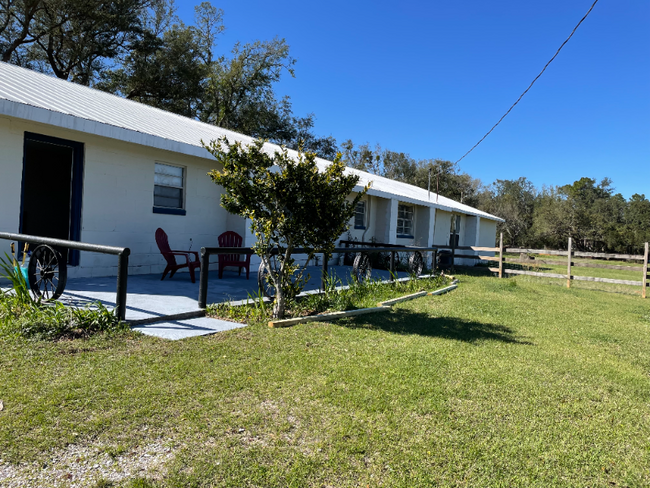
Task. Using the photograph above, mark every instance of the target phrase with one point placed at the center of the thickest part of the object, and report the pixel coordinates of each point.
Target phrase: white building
(80, 164)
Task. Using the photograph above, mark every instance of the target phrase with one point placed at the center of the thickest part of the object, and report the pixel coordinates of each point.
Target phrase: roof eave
(72, 122)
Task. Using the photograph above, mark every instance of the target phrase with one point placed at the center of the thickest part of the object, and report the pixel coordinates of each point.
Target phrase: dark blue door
(52, 189)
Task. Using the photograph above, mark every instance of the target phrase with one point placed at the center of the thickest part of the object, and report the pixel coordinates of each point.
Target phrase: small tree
(290, 203)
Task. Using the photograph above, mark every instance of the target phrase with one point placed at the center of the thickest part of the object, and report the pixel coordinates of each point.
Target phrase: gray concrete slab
(182, 329)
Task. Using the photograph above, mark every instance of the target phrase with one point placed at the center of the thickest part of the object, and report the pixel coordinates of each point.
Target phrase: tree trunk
(279, 304)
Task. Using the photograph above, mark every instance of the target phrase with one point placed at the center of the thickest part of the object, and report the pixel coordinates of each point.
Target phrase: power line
(532, 83)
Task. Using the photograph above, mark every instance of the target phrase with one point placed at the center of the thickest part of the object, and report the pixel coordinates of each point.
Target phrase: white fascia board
(72, 122)
(415, 201)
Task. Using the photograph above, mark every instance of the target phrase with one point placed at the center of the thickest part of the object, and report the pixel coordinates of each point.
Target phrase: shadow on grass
(408, 322)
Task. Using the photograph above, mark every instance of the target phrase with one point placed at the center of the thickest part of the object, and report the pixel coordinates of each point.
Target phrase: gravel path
(84, 466)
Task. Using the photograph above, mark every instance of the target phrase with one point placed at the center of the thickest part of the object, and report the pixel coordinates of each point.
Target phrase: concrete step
(183, 329)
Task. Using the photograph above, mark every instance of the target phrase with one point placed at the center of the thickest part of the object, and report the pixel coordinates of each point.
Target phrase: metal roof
(34, 96)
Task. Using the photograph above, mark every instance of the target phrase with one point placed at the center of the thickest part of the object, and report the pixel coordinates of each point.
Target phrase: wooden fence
(569, 262)
(503, 262)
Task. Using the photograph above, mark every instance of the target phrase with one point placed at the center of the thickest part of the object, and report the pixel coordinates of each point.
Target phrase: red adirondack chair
(170, 257)
(232, 239)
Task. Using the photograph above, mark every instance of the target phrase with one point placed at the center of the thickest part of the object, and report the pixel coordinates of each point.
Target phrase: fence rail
(570, 263)
(578, 254)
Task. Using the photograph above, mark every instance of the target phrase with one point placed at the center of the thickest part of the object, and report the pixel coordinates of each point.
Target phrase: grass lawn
(499, 383)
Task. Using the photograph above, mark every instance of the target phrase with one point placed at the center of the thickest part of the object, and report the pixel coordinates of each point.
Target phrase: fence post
(392, 266)
(645, 270)
(434, 263)
(501, 255)
(122, 278)
(568, 266)
(203, 278)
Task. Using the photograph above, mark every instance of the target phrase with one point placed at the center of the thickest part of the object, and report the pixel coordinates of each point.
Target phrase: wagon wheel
(47, 273)
(361, 269)
(416, 263)
(263, 281)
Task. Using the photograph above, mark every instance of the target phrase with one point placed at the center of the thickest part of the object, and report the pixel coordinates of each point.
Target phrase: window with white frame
(168, 186)
(404, 221)
(360, 215)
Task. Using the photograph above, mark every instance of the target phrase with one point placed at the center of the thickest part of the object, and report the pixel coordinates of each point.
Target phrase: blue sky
(431, 78)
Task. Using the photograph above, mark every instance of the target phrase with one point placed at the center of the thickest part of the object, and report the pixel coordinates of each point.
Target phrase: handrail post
(645, 271)
(122, 279)
(323, 280)
(392, 266)
(453, 249)
(568, 266)
(501, 255)
(203, 278)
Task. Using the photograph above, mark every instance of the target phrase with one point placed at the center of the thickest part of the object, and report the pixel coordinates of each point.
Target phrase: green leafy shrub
(291, 204)
(23, 316)
(11, 271)
(49, 321)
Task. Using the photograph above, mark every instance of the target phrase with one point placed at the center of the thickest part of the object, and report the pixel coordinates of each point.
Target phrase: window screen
(168, 186)
(404, 220)
(360, 216)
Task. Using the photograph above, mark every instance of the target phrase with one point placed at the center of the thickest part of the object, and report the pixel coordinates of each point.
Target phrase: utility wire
(532, 83)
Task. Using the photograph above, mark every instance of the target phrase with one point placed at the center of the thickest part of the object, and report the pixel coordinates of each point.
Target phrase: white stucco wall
(370, 221)
(11, 174)
(442, 227)
(117, 207)
(421, 226)
(380, 218)
(469, 239)
(488, 233)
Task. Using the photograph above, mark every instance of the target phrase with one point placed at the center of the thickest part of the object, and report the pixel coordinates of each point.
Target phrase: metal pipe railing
(121, 252)
(206, 252)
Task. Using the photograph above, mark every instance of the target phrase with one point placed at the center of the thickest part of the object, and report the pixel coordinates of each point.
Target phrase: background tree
(363, 158)
(636, 227)
(514, 201)
(290, 204)
(445, 175)
(551, 220)
(73, 39)
(590, 212)
(164, 70)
